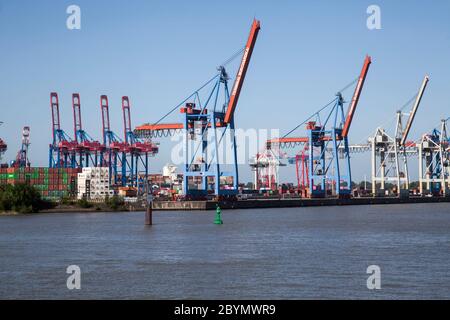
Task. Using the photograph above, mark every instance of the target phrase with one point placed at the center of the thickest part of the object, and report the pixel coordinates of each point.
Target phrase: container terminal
(81, 167)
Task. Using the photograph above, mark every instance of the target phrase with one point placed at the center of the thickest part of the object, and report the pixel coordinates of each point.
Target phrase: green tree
(21, 198)
(115, 202)
(83, 203)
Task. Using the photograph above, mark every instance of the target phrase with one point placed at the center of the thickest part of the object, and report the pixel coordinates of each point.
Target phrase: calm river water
(310, 253)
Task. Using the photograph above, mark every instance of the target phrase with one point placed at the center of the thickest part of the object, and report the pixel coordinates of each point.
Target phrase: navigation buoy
(218, 219)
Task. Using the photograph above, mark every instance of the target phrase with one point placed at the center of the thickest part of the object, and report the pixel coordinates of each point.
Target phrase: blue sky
(157, 52)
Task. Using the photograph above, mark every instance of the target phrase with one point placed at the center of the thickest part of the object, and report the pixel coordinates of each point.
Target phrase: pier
(288, 203)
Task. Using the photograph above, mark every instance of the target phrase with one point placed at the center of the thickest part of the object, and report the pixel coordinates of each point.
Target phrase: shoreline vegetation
(23, 199)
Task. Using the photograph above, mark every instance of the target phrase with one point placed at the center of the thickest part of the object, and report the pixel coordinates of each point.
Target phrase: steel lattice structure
(22, 160)
(208, 121)
(62, 149)
(434, 162)
(328, 156)
(390, 153)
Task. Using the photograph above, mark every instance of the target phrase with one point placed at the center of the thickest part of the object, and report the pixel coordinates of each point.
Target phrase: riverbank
(77, 209)
(10, 214)
(94, 208)
(234, 205)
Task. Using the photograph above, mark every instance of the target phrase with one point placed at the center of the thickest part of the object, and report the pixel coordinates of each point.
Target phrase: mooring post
(149, 211)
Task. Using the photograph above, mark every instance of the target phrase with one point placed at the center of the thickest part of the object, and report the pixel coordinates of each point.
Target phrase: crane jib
(414, 110)
(241, 71)
(240, 76)
(356, 96)
(352, 107)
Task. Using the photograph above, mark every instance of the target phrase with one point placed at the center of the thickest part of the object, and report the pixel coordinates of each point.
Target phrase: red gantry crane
(62, 148)
(115, 149)
(138, 150)
(87, 150)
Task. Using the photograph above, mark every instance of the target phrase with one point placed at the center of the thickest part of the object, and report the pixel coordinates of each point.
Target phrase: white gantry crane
(266, 169)
(22, 160)
(434, 161)
(389, 153)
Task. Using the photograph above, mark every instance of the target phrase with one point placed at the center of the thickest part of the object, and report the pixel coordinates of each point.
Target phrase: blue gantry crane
(326, 142)
(208, 122)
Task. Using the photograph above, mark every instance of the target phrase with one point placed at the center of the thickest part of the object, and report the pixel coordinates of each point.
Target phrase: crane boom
(76, 104)
(127, 119)
(288, 140)
(356, 95)
(242, 71)
(414, 110)
(54, 105)
(105, 116)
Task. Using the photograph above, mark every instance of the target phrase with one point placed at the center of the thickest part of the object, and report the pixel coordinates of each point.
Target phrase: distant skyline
(158, 52)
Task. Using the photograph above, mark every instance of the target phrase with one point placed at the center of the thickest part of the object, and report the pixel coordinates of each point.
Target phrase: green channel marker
(218, 219)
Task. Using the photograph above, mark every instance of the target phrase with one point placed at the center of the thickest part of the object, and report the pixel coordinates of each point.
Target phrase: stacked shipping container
(52, 183)
(160, 180)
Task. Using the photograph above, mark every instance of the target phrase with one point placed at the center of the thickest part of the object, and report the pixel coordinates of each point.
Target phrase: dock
(288, 203)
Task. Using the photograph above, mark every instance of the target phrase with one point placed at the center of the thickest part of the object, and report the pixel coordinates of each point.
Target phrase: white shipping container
(98, 183)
